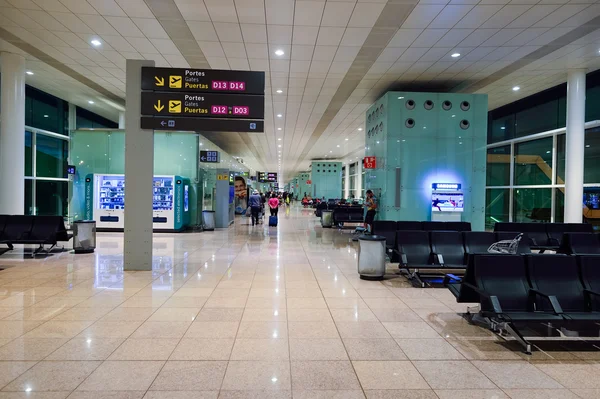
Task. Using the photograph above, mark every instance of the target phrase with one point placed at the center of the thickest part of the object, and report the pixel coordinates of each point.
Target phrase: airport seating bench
(38, 230)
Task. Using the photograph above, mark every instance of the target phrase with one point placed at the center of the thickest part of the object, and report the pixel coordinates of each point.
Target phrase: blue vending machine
(105, 202)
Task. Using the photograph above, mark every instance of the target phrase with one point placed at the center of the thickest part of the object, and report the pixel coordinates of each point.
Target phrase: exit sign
(370, 162)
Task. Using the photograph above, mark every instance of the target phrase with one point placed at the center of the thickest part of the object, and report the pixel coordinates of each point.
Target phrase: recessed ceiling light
(29, 73)
(279, 91)
(279, 139)
(502, 128)
(516, 88)
(279, 115)
(347, 139)
(96, 42)
(587, 146)
(45, 116)
(360, 129)
(278, 128)
(455, 55)
(279, 145)
(90, 102)
(330, 152)
(279, 52)
(338, 146)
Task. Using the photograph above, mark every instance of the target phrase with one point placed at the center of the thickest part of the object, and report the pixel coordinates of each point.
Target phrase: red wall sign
(370, 162)
(309, 182)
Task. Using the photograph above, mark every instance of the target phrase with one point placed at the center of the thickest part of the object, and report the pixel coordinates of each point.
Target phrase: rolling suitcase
(272, 221)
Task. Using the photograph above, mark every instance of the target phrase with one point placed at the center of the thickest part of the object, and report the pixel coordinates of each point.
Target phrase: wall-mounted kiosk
(447, 202)
(105, 202)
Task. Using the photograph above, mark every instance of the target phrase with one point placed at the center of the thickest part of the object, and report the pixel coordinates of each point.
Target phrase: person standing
(255, 203)
(371, 204)
(274, 205)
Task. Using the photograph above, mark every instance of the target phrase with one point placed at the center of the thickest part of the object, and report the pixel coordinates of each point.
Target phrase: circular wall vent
(465, 106)
(447, 105)
(410, 123)
(410, 104)
(464, 124)
(428, 105)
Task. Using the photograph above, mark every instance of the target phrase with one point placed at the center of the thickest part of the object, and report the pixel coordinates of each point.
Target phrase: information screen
(447, 202)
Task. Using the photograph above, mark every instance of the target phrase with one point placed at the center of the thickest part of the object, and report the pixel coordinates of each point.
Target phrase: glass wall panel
(559, 205)
(498, 166)
(28, 154)
(591, 202)
(591, 171)
(28, 197)
(51, 197)
(533, 162)
(532, 204)
(561, 152)
(501, 129)
(44, 111)
(51, 156)
(537, 119)
(497, 206)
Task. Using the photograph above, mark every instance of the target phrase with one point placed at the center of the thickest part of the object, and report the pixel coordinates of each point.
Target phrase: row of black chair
(545, 236)
(580, 244)
(348, 214)
(539, 288)
(380, 226)
(38, 230)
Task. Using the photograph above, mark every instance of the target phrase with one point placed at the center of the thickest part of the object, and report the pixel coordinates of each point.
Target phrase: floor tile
(185, 302)
(328, 394)
(111, 329)
(410, 329)
(30, 348)
(309, 315)
(17, 328)
(396, 315)
(128, 314)
(263, 329)
(34, 395)
(331, 375)
(174, 314)
(59, 329)
(453, 375)
(373, 349)
(42, 314)
(573, 375)
(203, 349)
(122, 376)
(401, 394)
(541, 394)
(257, 375)
(317, 349)
(362, 329)
(216, 314)
(107, 395)
(190, 375)
(260, 349)
(162, 329)
(11, 370)
(53, 376)
(213, 329)
(306, 303)
(429, 349)
(181, 395)
(388, 375)
(312, 329)
(145, 349)
(513, 374)
(262, 394)
(265, 315)
(86, 349)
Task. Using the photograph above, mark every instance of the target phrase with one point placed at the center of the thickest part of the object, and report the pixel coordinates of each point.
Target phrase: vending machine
(105, 202)
(447, 202)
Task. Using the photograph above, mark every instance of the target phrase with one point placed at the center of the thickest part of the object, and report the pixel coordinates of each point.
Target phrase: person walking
(255, 203)
(274, 205)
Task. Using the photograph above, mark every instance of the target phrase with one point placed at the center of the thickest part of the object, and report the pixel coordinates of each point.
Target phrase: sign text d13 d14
(209, 156)
(203, 80)
(370, 162)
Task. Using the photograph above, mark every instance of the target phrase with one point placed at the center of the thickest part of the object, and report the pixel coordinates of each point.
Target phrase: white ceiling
(502, 43)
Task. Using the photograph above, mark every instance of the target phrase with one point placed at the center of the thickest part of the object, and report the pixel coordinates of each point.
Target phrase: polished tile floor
(254, 312)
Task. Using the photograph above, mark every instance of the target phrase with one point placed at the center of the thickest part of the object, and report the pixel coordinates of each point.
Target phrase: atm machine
(447, 202)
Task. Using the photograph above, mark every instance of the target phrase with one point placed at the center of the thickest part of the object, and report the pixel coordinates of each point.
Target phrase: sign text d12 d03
(203, 80)
(370, 162)
(209, 156)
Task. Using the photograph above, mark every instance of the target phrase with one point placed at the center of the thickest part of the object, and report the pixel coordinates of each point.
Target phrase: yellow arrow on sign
(159, 107)
(159, 81)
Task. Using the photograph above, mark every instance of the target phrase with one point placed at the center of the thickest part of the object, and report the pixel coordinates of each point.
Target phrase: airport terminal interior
(345, 199)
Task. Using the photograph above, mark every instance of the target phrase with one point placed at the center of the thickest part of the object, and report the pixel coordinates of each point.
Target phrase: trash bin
(84, 236)
(371, 257)
(326, 218)
(208, 220)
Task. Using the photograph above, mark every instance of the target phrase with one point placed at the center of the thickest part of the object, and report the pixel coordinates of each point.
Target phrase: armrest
(553, 300)
(588, 294)
(492, 298)
(448, 277)
(553, 242)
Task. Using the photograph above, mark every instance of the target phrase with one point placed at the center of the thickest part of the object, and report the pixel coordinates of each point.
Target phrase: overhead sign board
(203, 105)
(203, 80)
(203, 124)
(209, 156)
(266, 177)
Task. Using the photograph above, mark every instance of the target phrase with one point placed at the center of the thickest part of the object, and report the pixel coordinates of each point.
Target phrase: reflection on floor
(254, 312)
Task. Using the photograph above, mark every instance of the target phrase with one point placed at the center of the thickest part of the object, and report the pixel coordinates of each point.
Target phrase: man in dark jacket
(255, 204)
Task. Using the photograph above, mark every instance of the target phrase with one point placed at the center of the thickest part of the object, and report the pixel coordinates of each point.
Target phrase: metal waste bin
(84, 236)
(371, 257)
(326, 218)
(208, 220)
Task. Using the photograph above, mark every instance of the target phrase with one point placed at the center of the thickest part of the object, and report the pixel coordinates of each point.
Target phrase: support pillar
(121, 120)
(359, 187)
(575, 146)
(222, 199)
(12, 134)
(139, 170)
(347, 182)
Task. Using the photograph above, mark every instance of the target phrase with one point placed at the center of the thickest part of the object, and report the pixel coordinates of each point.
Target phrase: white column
(575, 146)
(139, 171)
(121, 120)
(359, 187)
(347, 182)
(12, 134)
